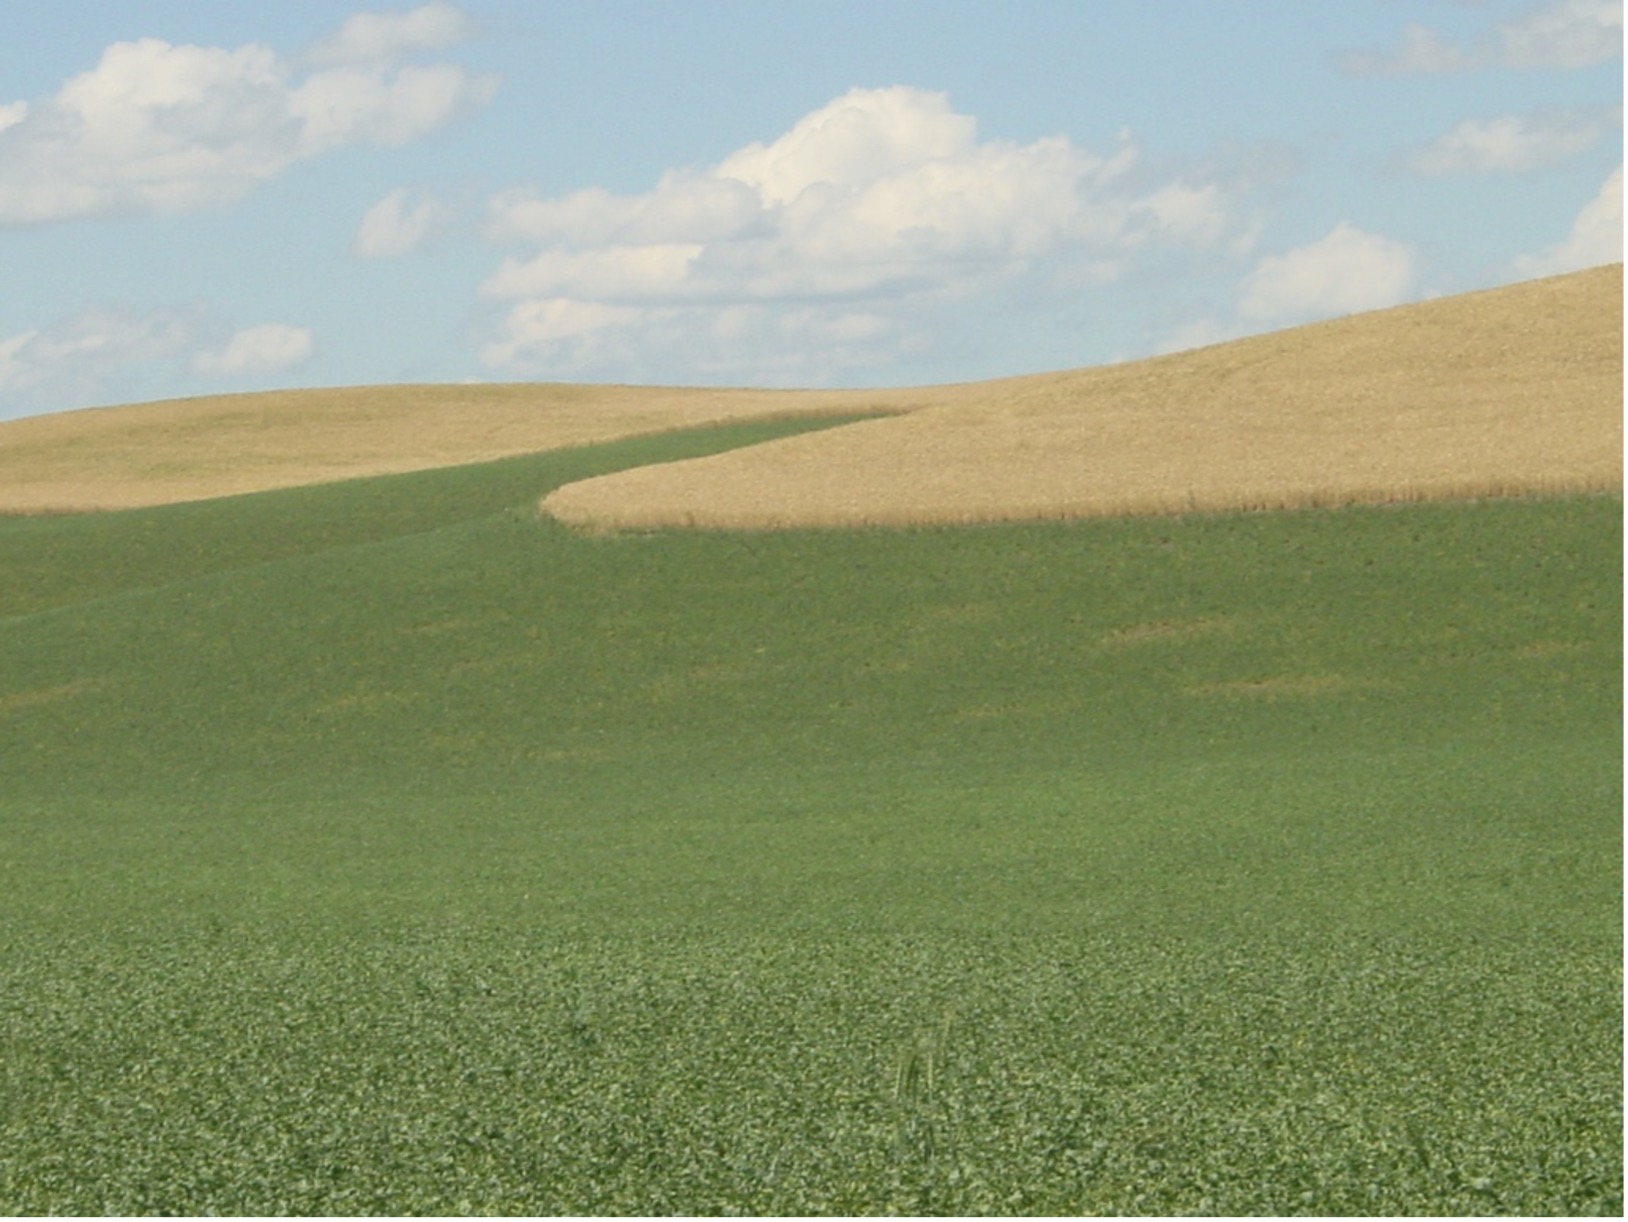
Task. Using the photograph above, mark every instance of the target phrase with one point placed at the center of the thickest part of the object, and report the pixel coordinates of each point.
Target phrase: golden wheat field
(192, 449)
(1510, 391)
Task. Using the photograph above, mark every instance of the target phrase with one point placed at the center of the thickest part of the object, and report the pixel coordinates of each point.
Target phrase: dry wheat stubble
(1505, 392)
(1511, 391)
(193, 449)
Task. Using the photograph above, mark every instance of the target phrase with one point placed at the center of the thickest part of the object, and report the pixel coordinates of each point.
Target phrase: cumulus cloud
(158, 127)
(1512, 144)
(398, 225)
(878, 187)
(1562, 34)
(881, 202)
(1345, 272)
(268, 348)
(1595, 237)
(855, 141)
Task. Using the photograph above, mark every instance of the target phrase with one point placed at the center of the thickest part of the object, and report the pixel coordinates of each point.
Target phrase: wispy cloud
(1513, 144)
(1562, 34)
(399, 224)
(158, 127)
(373, 38)
(74, 356)
(107, 353)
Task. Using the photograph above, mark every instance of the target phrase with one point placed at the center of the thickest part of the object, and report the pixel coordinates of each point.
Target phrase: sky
(207, 196)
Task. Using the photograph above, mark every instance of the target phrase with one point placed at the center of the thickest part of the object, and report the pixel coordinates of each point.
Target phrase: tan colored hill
(1510, 391)
(191, 449)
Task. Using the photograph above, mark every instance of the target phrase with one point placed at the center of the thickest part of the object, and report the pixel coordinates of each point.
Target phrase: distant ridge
(192, 449)
(1509, 391)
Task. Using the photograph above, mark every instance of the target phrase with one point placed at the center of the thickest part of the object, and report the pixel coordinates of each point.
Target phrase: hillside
(1508, 391)
(181, 450)
(380, 848)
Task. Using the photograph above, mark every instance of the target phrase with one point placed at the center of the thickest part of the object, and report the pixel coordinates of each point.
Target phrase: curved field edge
(51, 560)
(458, 863)
(184, 450)
(1509, 392)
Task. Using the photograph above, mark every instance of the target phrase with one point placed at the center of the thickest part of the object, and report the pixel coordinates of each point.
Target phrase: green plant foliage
(50, 560)
(382, 848)
(514, 1070)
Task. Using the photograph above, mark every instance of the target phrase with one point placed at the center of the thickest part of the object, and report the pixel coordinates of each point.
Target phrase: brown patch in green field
(498, 664)
(992, 712)
(16, 702)
(367, 702)
(1162, 631)
(1275, 687)
(457, 623)
(700, 683)
(1550, 649)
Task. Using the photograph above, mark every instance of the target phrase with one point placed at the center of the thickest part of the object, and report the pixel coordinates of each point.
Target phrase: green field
(383, 848)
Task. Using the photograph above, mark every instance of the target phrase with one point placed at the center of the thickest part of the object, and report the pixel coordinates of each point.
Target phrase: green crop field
(383, 848)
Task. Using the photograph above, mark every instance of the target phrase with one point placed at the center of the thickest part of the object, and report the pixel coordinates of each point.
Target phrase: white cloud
(859, 138)
(1346, 272)
(113, 353)
(81, 359)
(369, 106)
(575, 334)
(398, 225)
(370, 38)
(156, 127)
(881, 204)
(613, 273)
(1565, 34)
(1196, 214)
(1562, 34)
(1595, 237)
(1511, 144)
(1422, 51)
(773, 343)
(91, 342)
(268, 348)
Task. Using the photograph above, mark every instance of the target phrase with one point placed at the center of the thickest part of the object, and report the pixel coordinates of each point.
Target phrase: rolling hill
(1503, 392)
(180, 450)
(383, 846)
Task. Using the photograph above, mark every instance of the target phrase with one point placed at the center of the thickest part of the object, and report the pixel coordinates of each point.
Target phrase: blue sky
(200, 196)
